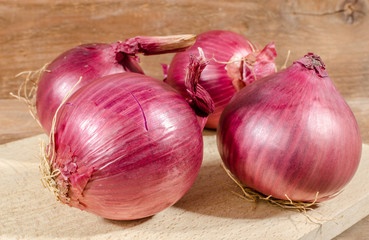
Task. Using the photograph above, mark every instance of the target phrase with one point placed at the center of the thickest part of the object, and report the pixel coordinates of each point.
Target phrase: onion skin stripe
(291, 134)
(131, 137)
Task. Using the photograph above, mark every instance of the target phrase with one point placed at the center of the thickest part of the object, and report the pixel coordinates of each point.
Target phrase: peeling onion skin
(127, 145)
(291, 133)
(220, 47)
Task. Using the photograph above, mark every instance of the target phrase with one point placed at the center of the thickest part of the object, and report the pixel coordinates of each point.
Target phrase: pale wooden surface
(18, 124)
(208, 211)
(33, 32)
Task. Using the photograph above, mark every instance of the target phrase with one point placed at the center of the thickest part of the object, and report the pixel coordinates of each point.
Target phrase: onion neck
(129, 63)
(243, 70)
(199, 99)
(125, 52)
(313, 62)
(153, 45)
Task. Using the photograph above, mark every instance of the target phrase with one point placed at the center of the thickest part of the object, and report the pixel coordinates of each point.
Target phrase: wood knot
(352, 9)
(348, 9)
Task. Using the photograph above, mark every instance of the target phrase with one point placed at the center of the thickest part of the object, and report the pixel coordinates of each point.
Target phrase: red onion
(93, 61)
(291, 134)
(236, 63)
(126, 146)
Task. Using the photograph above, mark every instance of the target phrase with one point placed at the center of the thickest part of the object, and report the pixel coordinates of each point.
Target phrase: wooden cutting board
(208, 211)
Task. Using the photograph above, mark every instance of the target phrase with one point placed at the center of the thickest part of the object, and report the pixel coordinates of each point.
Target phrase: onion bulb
(125, 146)
(291, 135)
(93, 61)
(235, 63)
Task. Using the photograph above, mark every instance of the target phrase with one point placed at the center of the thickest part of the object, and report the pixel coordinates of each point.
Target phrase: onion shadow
(125, 224)
(215, 194)
(80, 225)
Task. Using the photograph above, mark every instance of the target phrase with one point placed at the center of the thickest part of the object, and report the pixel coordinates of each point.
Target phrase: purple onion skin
(127, 145)
(221, 45)
(93, 61)
(89, 62)
(292, 134)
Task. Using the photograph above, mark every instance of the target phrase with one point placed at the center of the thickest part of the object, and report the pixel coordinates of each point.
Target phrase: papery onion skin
(93, 61)
(127, 146)
(291, 134)
(220, 79)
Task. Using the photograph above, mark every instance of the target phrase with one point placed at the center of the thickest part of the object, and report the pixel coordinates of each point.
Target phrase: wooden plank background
(34, 32)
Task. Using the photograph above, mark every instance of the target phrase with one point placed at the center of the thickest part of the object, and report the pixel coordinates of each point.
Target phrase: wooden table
(35, 32)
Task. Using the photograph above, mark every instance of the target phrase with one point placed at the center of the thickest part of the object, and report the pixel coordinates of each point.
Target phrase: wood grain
(16, 122)
(34, 32)
(208, 210)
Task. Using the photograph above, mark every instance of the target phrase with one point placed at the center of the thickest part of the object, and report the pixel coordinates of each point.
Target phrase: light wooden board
(208, 211)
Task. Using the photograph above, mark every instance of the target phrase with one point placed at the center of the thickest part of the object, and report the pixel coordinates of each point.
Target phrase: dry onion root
(48, 174)
(28, 88)
(253, 196)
